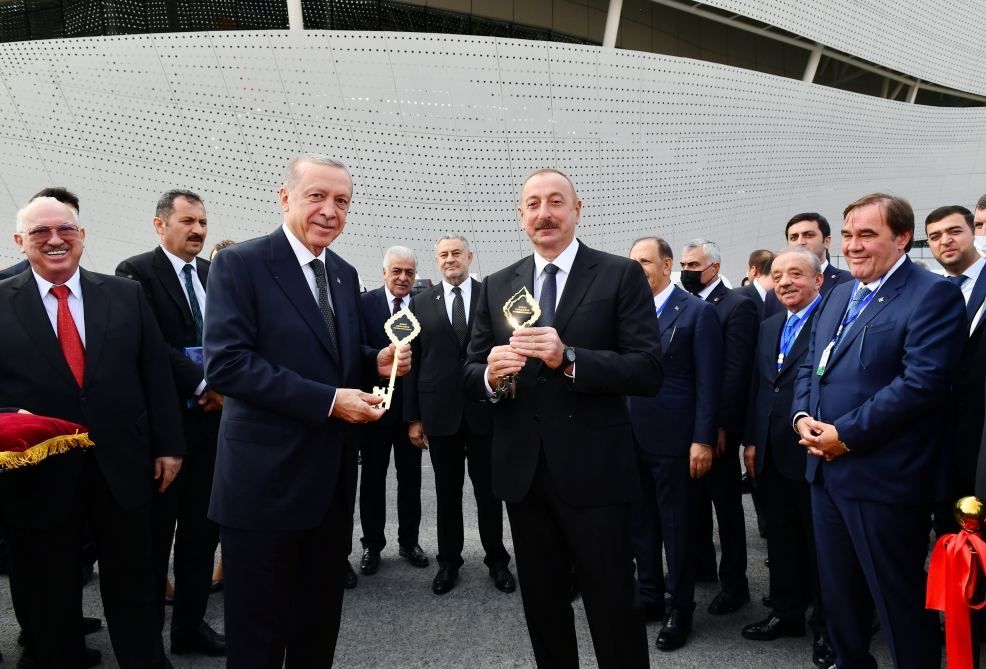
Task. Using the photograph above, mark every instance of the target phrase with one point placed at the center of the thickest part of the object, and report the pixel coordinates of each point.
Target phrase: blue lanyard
(788, 341)
(664, 304)
(851, 315)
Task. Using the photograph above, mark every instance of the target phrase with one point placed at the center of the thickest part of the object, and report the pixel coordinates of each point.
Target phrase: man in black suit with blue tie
(868, 404)
(776, 460)
(675, 434)
(174, 278)
(455, 428)
(284, 345)
(950, 231)
(390, 432)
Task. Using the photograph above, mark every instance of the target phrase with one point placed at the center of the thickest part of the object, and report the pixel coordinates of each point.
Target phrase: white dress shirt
(564, 264)
(972, 275)
(406, 300)
(50, 302)
(661, 299)
(199, 289)
(466, 287)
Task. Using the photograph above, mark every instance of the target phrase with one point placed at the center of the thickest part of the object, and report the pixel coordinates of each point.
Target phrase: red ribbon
(957, 564)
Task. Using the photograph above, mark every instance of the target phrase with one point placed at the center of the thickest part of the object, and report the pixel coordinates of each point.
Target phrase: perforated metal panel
(440, 129)
(934, 40)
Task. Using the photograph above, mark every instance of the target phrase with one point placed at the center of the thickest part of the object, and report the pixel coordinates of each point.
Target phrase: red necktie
(68, 335)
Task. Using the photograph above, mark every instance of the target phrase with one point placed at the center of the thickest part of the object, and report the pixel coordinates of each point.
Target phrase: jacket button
(541, 379)
(777, 390)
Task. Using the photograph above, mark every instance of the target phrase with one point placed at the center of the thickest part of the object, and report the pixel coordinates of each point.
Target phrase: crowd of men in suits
(231, 401)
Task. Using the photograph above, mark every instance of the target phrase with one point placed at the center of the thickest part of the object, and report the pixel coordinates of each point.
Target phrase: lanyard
(664, 304)
(788, 341)
(851, 315)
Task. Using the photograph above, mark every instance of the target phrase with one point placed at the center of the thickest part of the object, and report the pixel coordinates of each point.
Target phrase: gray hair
(23, 211)
(453, 235)
(399, 253)
(709, 249)
(981, 202)
(813, 261)
(291, 174)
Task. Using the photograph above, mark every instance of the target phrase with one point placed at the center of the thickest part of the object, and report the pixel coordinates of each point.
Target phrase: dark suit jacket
(831, 277)
(885, 385)
(127, 400)
(436, 394)
(739, 322)
(163, 289)
(583, 426)
(14, 270)
(768, 424)
(750, 291)
(684, 411)
(267, 350)
(968, 403)
(375, 311)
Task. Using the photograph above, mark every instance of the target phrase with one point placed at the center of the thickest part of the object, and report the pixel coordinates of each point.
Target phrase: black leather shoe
(414, 555)
(204, 641)
(822, 653)
(674, 633)
(728, 602)
(369, 563)
(774, 628)
(349, 577)
(444, 580)
(503, 579)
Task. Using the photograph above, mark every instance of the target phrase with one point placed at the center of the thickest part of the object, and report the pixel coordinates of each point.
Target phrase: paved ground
(392, 619)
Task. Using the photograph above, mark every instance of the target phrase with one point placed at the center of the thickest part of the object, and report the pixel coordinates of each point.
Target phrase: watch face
(570, 354)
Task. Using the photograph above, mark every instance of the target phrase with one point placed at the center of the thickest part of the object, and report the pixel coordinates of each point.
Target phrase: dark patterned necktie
(549, 295)
(459, 315)
(193, 303)
(328, 316)
(397, 306)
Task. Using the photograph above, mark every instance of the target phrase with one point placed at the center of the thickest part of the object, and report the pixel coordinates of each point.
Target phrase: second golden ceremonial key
(401, 328)
(521, 311)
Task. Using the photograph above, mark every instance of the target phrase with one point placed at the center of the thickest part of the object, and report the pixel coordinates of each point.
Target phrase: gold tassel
(37, 453)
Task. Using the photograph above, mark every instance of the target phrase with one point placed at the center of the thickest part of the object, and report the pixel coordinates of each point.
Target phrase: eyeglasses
(42, 233)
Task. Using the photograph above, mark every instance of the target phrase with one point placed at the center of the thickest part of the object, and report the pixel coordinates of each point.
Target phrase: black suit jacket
(968, 404)
(768, 424)
(436, 394)
(751, 292)
(127, 400)
(583, 426)
(375, 311)
(14, 270)
(739, 321)
(161, 285)
(280, 457)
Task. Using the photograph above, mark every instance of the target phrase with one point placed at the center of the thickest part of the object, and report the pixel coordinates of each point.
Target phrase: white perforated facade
(934, 40)
(440, 129)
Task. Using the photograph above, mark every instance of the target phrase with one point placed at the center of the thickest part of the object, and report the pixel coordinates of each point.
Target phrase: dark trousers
(721, 489)
(186, 504)
(790, 546)
(549, 536)
(282, 602)
(375, 449)
(665, 517)
(449, 456)
(870, 548)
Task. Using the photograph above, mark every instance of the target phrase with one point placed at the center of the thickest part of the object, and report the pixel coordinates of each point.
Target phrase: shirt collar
(178, 263)
(825, 265)
(563, 261)
(74, 284)
(761, 291)
(301, 252)
(705, 292)
(391, 297)
(662, 297)
(466, 287)
(875, 285)
(801, 314)
(975, 269)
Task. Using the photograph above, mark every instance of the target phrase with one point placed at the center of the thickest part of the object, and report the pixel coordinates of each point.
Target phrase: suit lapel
(32, 315)
(440, 315)
(284, 267)
(579, 280)
(883, 297)
(96, 306)
(717, 293)
(672, 310)
(165, 272)
(977, 298)
(346, 310)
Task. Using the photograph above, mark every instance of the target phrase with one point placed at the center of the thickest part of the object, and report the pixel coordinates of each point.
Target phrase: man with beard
(174, 279)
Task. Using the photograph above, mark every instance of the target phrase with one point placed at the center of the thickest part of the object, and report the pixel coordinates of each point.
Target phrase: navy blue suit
(884, 389)
(284, 468)
(375, 445)
(14, 270)
(784, 494)
(664, 428)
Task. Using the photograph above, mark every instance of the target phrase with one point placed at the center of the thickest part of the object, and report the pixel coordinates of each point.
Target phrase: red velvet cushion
(27, 439)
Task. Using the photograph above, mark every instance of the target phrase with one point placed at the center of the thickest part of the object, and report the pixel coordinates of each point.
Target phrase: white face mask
(980, 243)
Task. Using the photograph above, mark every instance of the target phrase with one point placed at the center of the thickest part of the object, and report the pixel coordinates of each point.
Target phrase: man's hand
(821, 439)
(699, 460)
(503, 361)
(385, 360)
(166, 469)
(750, 460)
(354, 406)
(210, 401)
(24, 411)
(720, 443)
(540, 343)
(416, 433)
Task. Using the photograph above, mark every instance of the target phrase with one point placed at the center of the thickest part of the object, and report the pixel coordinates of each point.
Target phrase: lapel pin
(676, 307)
(879, 299)
(339, 281)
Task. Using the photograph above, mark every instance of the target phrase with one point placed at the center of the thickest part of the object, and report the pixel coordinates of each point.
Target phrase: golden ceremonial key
(521, 311)
(401, 328)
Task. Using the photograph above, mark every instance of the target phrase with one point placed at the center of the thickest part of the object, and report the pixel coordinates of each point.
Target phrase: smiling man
(284, 344)
(867, 405)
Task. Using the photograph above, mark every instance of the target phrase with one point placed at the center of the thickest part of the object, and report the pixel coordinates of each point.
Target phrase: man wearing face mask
(738, 318)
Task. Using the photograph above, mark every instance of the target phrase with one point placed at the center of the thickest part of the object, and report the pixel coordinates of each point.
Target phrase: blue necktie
(193, 303)
(852, 313)
(958, 280)
(787, 338)
(549, 295)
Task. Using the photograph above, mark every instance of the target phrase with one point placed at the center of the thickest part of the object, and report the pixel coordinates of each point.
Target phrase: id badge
(824, 361)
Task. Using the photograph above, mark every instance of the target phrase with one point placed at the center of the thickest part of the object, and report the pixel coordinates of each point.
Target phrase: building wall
(439, 131)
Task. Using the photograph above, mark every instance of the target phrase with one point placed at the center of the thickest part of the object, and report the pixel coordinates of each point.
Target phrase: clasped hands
(542, 343)
(355, 406)
(821, 439)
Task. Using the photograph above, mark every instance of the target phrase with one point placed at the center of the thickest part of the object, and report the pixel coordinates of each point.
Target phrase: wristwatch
(570, 355)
